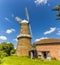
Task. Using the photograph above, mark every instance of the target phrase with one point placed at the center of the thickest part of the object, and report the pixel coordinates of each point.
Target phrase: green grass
(14, 60)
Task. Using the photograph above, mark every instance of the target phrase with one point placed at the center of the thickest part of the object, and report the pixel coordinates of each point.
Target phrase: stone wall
(24, 40)
(23, 47)
(24, 28)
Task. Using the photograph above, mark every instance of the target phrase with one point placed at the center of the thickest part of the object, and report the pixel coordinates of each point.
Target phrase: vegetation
(14, 60)
(57, 8)
(33, 45)
(6, 49)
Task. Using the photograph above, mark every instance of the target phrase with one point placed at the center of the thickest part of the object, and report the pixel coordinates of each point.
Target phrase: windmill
(24, 37)
(27, 16)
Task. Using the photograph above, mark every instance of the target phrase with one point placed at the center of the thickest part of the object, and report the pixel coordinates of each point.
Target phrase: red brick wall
(54, 50)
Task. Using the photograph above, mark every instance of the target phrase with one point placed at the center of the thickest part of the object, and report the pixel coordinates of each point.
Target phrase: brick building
(48, 48)
(24, 39)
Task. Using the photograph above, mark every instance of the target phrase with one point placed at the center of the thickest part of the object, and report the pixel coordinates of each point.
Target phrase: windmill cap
(24, 21)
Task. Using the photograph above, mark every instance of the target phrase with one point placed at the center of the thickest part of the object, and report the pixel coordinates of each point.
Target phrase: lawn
(14, 60)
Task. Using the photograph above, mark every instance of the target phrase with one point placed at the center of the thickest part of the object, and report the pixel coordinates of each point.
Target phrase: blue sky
(42, 19)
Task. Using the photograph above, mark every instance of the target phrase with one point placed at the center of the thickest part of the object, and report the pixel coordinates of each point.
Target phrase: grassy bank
(14, 60)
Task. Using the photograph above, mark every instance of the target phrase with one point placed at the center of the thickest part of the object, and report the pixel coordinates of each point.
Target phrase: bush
(12, 51)
(6, 47)
(54, 58)
(33, 45)
(2, 55)
(0, 60)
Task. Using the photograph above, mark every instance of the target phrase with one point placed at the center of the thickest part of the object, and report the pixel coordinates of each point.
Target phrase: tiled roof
(50, 40)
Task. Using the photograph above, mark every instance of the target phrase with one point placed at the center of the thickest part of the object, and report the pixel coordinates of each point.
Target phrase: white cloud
(8, 31)
(41, 38)
(58, 33)
(58, 29)
(3, 38)
(15, 40)
(50, 31)
(6, 19)
(41, 2)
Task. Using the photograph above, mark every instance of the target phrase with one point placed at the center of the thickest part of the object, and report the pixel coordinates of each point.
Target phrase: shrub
(6, 47)
(12, 51)
(54, 58)
(2, 55)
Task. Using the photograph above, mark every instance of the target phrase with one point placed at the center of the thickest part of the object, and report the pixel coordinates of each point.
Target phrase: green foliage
(6, 47)
(57, 8)
(12, 51)
(54, 58)
(2, 55)
(5, 50)
(34, 45)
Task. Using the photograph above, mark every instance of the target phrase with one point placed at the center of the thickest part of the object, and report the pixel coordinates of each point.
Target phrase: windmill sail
(27, 16)
(30, 29)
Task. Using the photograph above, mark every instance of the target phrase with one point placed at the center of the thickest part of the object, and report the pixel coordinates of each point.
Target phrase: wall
(53, 48)
(23, 47)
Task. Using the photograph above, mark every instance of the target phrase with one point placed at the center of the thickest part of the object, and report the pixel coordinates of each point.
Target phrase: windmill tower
(24, 38)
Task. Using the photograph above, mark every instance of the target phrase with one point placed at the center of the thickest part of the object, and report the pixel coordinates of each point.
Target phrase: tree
(57, 8)
(34, 45)
(10, 47)
(6, 47)
(12, 51)
(2, 55)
